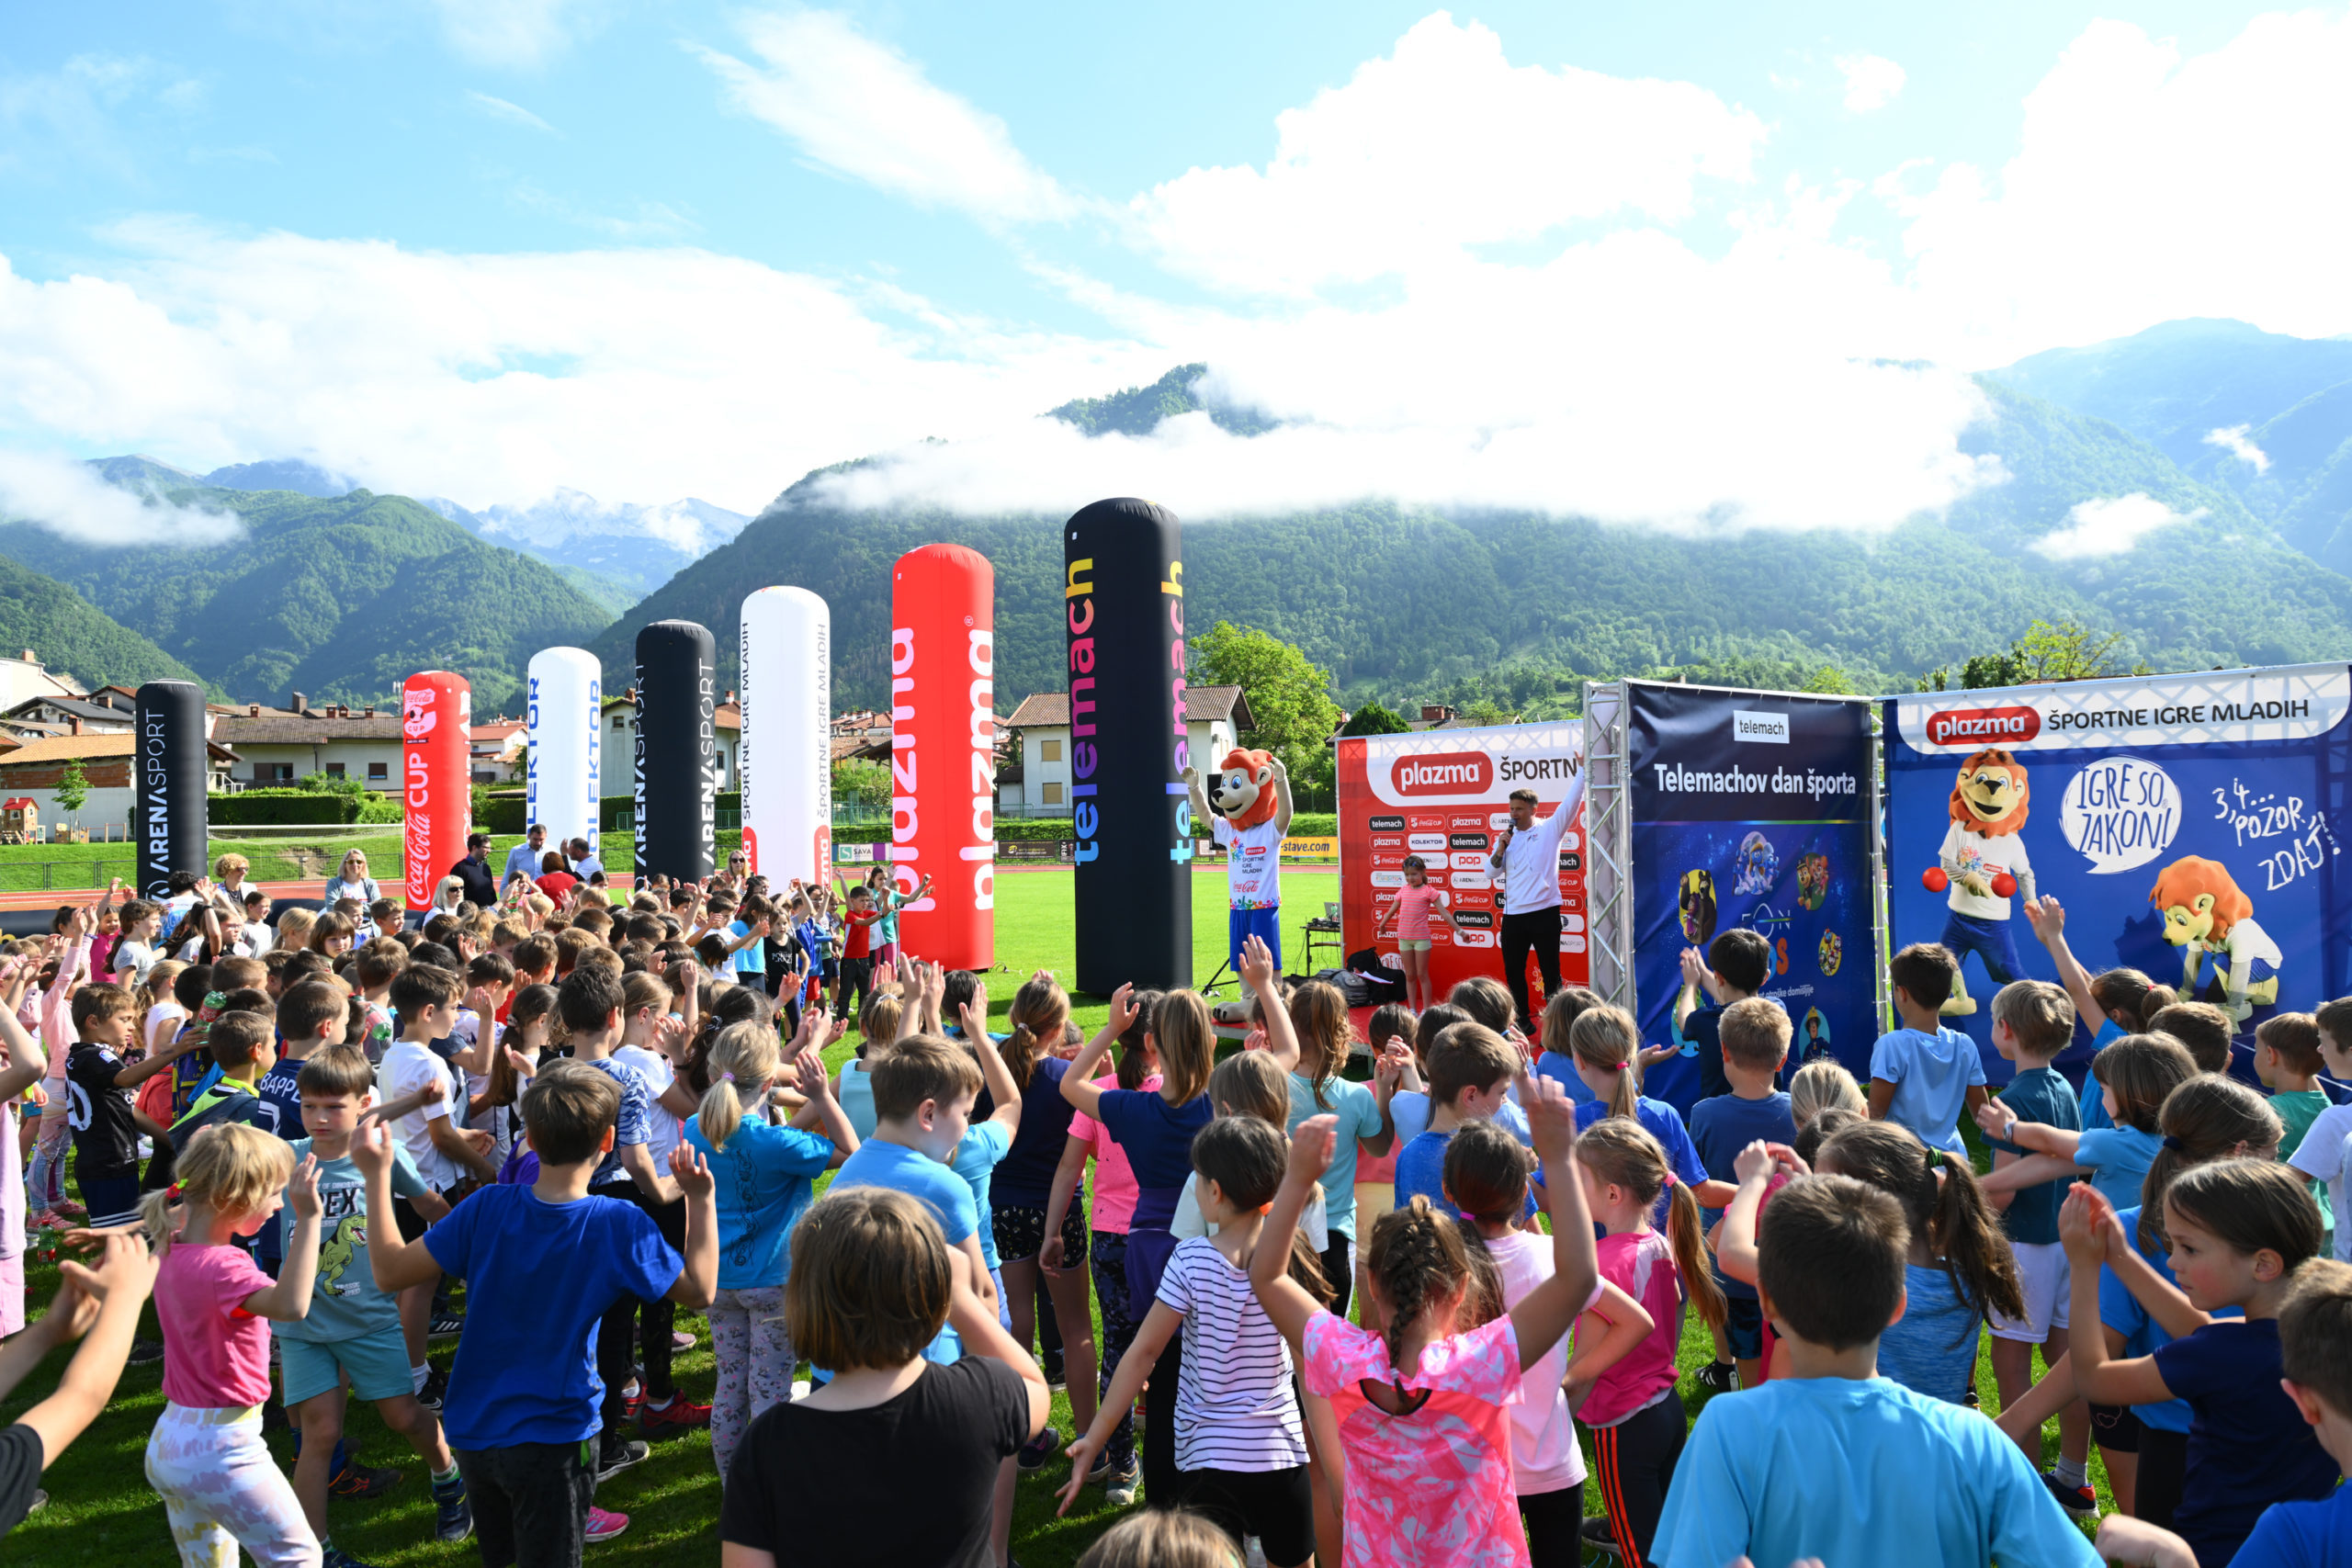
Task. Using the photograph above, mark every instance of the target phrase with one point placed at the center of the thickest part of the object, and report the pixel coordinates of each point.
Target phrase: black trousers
(1339, 1272)
(1555, 1523)
(857, 975)
(1538, 929)
(2164, 1469)
(530, 1503)
(1634, 1461)
(1160, 1487)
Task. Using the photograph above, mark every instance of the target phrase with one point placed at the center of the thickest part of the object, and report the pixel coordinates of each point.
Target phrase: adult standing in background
(525, 857)
(583, 864)
(1527, 857)
(474, 872)
(351, 881)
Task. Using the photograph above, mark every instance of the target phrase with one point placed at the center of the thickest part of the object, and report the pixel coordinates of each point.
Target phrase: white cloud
(71, 501)
(860, 108)
(74, 111)
(2096, 528)
(2234, 440)
(512, 114)
(514, 33)
(1872, 81)
(1440, 147)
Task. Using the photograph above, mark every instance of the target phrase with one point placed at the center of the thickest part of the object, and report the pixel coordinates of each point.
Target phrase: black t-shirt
(106, 1140)
(21, 1458)
(831, 1486)
(1703, 1029)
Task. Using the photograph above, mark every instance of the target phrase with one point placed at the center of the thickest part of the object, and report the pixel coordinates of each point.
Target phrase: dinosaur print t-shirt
(1984, 859)
(344, 1302)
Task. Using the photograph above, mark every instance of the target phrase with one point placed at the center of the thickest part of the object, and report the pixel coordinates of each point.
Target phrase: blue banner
(1752, 808)
(2190, 827)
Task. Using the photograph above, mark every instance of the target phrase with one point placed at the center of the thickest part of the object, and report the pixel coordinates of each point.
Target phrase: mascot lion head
(2199, 900)
(1242, 789)
(1992, 796)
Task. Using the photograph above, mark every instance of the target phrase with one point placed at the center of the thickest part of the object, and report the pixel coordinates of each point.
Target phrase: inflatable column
(169, 779)
(1124, 595)
(677, 750)
(436, 716)
(787, 756)
(565, 719)
(943, 753)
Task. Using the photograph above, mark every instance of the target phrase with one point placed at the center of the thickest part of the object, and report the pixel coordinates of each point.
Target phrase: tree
(73, 789)
(1374, 720)
(1290, 699)
(2066, 651)
(862, 783)
(1829, 680)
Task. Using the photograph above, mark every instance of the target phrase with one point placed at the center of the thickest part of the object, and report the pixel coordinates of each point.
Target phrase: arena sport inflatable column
(437, 796)
(943, 753)
(677, 750)
(1124, 595)
(168, 776)
(786, 764)
(564, 787)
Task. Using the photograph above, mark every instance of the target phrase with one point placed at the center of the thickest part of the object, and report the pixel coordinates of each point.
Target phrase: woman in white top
(351, 881)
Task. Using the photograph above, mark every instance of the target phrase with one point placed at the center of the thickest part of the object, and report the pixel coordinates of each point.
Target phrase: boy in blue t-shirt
(1755, 1041)
(1736, 967)
(543, 1264)
(1834, 1461)
(1923, 1075)
(2110, 1003)
(1471, 1069)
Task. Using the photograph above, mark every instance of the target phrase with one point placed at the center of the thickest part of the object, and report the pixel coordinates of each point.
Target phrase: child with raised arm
(1751, 1039)
(2134, 1075)
(543, 1266)
(97, 1303)
(1924, 1075)
(1318, 1019)
(1415, 905)
(206, 1458)
(1422, 1408)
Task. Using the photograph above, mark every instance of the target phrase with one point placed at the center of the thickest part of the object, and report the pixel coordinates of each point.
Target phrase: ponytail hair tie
(726, 1078)
(1618, 1066)
(171, 1193)
(1670, 1182)
(2175, 1145)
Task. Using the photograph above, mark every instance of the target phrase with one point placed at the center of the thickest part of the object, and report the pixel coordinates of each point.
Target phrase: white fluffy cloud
(70, 499)
(2236, 441)
(511, 113)
(2096, 528)
(863, 110)
(1872, 81)
(514, 33)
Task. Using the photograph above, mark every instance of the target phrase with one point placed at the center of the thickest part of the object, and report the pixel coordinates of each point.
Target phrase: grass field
(101, 1510)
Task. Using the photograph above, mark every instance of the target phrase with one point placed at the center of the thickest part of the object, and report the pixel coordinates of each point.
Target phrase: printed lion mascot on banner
(1247, 804)
(2208, 918)
(1982, 864)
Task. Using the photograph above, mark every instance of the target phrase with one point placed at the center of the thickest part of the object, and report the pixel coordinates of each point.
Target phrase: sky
(1697, 266)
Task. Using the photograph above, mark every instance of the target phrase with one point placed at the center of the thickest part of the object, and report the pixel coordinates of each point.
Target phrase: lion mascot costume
(1983, 863)
(2208, 918)
(1247, 804)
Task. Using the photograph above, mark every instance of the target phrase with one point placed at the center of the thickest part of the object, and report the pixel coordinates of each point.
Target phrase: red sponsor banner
(437, 796)
(1984, 726)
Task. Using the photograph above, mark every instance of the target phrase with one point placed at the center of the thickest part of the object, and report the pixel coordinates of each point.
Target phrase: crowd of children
(1367, 1321)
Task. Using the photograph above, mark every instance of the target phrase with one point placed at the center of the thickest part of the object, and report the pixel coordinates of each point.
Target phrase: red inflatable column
(437, 709)
(943, 753)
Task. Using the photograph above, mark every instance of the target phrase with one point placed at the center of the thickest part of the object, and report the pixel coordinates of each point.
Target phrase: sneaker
(446, 1325)
(453, 1518)
(1119, 1491)
(144, 1351)
(1718, 1377)
(2079, 1501)
(1969, 1398)
(336, 1557)
(41, 1500)
(616, 1454)
(681, 1340)
(1598, 1537)
(1100, 1470)
(435, 1389)
(632, 1400)
(1039, 1450)
(681, 1415)
(604, 1524)
(1055, 1378)
(358, 1483)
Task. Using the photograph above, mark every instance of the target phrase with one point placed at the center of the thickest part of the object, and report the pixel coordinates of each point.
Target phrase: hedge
(1049, 829)
(257, 808)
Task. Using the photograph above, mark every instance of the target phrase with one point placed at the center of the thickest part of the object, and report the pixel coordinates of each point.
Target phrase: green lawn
(101, 1510)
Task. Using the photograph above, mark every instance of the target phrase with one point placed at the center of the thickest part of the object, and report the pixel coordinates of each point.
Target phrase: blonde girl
(1821, 1085)
(1415, 905)
(1556, 1060)
(206, 1458)
(160, 1011)
(1318, 1019)
(1247, 1084)
(1604, 1047)
(878, 1025)
(294, 928)
(763, 1175)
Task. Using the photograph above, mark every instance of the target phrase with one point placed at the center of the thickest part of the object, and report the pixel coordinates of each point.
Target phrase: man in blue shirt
(527, 856)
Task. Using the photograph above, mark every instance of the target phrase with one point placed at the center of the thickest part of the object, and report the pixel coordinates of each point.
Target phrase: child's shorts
(2042, 1272)
(1412, 945)
(12, 1289)
(1744, 1327)
(2115, 1427)
(1275, 1506)
(377, 1363)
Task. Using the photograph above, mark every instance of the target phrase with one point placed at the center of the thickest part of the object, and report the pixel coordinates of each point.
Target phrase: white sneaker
(801, 1388)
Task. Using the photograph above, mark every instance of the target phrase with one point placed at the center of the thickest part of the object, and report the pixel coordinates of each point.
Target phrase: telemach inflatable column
(943, 753)
(563, 788)
(677, 751)
(173, 812)
(1124, 598)
(437, 713)
(786, 769)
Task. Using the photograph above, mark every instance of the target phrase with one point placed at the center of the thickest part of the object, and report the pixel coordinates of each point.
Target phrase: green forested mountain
(1399, 601)
(72, 637)
(340, 599)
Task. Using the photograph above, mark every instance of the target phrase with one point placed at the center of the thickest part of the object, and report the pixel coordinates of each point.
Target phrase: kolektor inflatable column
(943, 753)
(565, 715)
(1124, 595)
(168, 776)
(677, 750)
(436, 716)
(786, 768)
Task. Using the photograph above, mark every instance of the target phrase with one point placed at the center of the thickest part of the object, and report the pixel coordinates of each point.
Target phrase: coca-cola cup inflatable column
(436, 716)
(943, 753)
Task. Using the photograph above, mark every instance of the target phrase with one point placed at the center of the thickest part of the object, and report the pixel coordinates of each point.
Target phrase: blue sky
(486, 247)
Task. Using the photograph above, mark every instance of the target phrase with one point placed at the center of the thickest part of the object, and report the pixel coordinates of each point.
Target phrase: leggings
(857, 978)
(1162, 1485)
(1110, 1262)
(1635, 1460)
(45, 1182)
(222, 1489)
(1339, 1271)
(755, 1363)
(2164, 1469)
(1555, 1523)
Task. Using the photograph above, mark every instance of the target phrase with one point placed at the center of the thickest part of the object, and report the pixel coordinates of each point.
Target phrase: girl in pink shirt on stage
(1416, 903)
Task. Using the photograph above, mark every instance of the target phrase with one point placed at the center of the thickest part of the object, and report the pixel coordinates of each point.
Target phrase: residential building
(107, 711)
(497, 751)
(34, 768)
(278, 746)
(25, 676)
(1213, 715)
(620, 743)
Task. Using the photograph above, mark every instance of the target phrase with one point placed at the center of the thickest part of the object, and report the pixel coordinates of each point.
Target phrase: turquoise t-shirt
(763, 1182)
(976, 1160)
(2118, 1158)
(2094, 1101)
(1932, 1075)
(344, 1302)
(936, 1188)
(1856, 1471)
(1358, 1114)
(1932, 1348)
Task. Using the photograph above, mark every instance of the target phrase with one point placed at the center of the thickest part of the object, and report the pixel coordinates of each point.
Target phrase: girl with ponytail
(1606, 1048)
(763, 1175)
(1622, 1383)
(1959, 1266)
(1318, 1017)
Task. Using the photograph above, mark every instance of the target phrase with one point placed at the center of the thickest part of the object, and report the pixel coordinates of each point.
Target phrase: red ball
(1935, 881)
(2003, 884)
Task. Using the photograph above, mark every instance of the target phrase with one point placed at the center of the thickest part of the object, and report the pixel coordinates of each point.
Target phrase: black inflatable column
(1125, 601)
(677, 750)
(172, 814)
